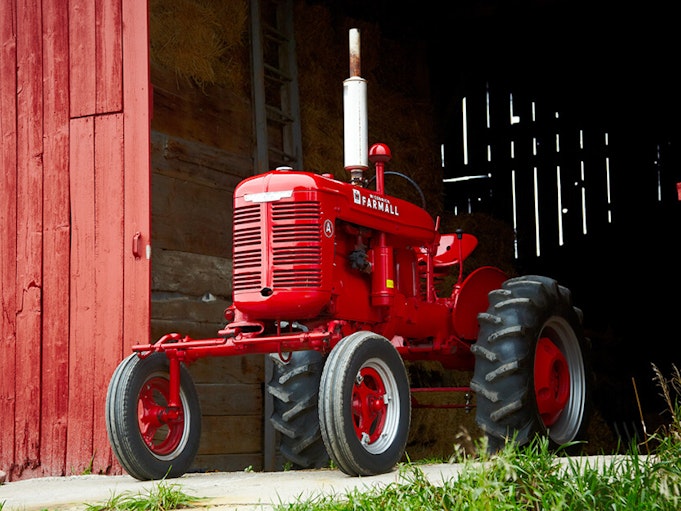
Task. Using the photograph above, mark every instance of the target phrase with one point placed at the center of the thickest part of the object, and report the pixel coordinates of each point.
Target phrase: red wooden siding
(8, 229)
(28, 286)
(56, 240)
(74, 190)
(137, 95)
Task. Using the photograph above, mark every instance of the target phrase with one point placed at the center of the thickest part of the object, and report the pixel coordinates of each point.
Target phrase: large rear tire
(531, 371)
(295, 389)
(146, 445)
(364, 405)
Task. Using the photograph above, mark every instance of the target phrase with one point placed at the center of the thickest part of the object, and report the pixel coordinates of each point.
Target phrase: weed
(534, 477)
(162, 497)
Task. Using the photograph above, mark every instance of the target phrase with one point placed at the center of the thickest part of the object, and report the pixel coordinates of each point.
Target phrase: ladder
(276, 120)
(276, 108)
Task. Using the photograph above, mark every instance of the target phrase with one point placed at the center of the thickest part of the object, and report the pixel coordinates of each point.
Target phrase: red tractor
(337, 283)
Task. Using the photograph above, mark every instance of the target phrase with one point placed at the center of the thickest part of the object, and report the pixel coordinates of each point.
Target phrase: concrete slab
(225, 491)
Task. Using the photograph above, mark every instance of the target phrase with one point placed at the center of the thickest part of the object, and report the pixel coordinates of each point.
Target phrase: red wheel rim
(551, 380)
(161, 434)
(368, 405)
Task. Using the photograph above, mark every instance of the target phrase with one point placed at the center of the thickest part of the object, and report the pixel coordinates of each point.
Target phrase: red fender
(470, 298)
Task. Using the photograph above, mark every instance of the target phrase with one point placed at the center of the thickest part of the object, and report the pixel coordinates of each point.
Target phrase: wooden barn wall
(74, 191)
(545, 171)
(201, 148)
(561, 166)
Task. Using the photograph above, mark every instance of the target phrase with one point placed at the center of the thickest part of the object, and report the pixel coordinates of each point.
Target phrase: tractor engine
(308, 246)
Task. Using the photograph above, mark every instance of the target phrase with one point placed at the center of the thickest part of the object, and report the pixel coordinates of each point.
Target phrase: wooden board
(137, 164)
(230, 399)
(108, 57)
(29, 275)
(227, 462)
(240, 434)
(241, 369)
(191, 274)
(190, 217)
(212, 115)
(108, 262)
(8, 230)
(56, 241)
(82, 45)
(83, 298)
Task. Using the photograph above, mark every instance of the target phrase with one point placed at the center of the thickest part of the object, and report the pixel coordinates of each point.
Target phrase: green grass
(531, 477)
(534, 477)
(161, 497)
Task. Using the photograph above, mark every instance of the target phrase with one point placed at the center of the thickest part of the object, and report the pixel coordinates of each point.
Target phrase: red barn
(75, 224)
(87, 170)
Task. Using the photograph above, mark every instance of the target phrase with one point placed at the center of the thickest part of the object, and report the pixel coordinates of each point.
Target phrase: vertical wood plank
(108, 264)
(82, 45)
(137, 97)
(570, 175)
(56, 239)
(8, 233)
(546, 161)
(29, 233)
(524, 164)
(82, 306)
(501, 202)
(109, 61)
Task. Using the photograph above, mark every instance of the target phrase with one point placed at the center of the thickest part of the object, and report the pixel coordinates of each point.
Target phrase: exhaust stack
(355, 127)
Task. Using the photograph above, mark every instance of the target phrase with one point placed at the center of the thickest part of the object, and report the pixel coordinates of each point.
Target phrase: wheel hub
(551, 380)
(368, 405)
(161, 427)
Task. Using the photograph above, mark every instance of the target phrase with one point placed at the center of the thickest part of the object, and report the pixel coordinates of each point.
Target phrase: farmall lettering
(375, 202)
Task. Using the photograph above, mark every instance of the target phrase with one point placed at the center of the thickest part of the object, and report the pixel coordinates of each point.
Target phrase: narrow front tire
(147, 445)
(364, 405)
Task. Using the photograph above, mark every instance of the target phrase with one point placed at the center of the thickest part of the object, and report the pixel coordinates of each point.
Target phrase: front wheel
(149, 442)
(364, 405)
(531, 365)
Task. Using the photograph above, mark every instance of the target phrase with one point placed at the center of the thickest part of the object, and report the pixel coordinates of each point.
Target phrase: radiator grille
(247, 248)
(296, 246)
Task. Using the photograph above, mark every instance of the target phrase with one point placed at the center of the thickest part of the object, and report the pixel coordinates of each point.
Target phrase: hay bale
(205, 42)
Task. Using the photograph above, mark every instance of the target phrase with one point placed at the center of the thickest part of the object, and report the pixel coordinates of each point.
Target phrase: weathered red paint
(83, 307)
(29, 235)
(56, 240)
(109, 242)
(8, 229)
(74, 188)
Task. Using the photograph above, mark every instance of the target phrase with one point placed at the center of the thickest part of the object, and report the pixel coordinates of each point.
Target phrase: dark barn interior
(594, 135)
(546, 128)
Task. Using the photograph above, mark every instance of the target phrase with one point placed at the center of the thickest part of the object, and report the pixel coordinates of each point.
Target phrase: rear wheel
(149, 442)
(295, 389)
(531, 370)
(364, 405)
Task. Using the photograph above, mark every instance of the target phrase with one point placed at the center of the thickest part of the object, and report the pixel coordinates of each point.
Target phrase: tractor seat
(448, 250)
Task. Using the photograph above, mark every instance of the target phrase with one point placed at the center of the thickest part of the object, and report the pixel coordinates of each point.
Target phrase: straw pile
(205, 42)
